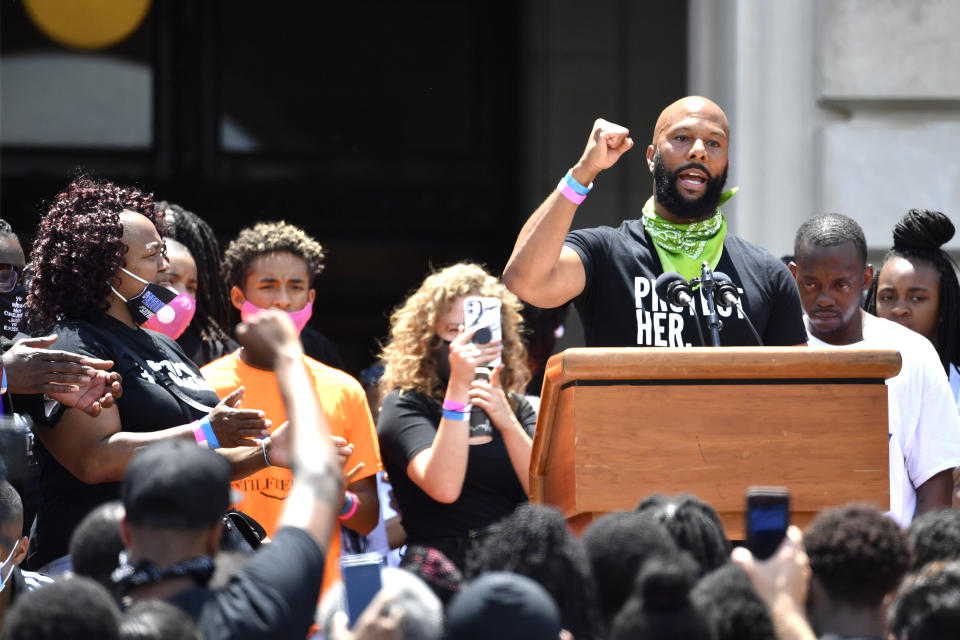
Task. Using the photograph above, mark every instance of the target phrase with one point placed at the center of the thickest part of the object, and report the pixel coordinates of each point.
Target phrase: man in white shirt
(832, 273)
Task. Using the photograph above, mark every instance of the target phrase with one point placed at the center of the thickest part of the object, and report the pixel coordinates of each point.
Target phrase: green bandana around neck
(682, 247)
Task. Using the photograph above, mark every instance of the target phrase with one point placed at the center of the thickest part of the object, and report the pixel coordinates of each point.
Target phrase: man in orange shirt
(271, 266)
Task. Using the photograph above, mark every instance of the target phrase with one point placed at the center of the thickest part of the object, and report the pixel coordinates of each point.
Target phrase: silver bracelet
(263, 446)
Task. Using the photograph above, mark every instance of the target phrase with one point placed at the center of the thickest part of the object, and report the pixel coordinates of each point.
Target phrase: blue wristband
(454, 415)
(576, 186)
(348, 503)
(212, 441)
(3, 384)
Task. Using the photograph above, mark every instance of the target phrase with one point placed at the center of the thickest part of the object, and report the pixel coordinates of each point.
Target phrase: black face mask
(11, 310)
(148, 302)
(441, 356)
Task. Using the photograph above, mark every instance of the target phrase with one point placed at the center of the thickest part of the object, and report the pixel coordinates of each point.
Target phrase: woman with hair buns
(452, 484)
(917, 286)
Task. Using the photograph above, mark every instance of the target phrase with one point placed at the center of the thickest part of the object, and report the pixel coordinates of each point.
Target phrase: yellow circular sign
(87, 24)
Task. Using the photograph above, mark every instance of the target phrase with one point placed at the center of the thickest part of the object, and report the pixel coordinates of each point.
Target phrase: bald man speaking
(610, 273)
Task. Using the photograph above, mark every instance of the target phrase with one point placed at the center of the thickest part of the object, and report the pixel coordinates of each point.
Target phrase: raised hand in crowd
(71, 379)
(318, 482)
(782, 583)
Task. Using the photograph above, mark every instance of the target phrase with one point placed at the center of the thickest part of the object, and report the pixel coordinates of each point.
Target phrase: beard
(665, 185)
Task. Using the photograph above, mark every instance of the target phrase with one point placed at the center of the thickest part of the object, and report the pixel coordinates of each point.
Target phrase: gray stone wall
(835, 105)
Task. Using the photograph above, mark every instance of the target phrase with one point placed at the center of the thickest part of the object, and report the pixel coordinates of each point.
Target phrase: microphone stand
(693, 309)
(713, 320)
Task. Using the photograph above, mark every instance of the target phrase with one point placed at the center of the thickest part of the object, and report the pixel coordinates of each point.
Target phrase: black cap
(176, 484)
(505, 606)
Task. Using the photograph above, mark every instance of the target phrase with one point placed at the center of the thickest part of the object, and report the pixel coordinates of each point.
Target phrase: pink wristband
(354, 502)
(451, 405)
(569, 193)
(198, 434)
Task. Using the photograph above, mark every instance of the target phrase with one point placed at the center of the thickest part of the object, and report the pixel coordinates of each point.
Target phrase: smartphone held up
(484, 314)
(767, 519)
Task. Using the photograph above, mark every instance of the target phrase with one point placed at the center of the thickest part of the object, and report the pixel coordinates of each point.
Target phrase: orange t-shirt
(348, 414)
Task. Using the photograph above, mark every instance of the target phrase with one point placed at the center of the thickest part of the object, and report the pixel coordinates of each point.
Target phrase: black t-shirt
(273, 596)
(406, 426)
(619, 307)
(158, 380)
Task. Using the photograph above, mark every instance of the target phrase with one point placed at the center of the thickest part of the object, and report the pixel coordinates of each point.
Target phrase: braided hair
(195, 234)
(919, 235)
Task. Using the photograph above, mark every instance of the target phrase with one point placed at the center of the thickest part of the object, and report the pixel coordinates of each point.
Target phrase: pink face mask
(299, 318)
(174, 317)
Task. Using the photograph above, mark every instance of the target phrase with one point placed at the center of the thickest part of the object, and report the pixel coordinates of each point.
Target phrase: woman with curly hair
(97, 252)
(451, 485)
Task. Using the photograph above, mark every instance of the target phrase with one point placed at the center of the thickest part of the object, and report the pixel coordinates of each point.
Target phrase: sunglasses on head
(10, 274)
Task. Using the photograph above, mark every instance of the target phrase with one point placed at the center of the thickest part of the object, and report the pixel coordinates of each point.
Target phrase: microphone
(708, 286)
(726, 295)
(725, 292)
(673, 288)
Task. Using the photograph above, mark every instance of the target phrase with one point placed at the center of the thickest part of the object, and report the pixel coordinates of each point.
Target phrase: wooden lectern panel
(802, 418)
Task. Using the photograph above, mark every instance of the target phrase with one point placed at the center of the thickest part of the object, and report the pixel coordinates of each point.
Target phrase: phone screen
(768, 516)
(361, 582)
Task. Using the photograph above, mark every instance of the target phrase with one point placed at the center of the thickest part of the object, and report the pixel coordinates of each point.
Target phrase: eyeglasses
(9, 275)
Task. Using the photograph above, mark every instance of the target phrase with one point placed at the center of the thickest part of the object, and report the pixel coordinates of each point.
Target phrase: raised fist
(607, 142)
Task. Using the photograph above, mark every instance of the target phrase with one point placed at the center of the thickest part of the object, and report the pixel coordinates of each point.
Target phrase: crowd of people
(167, 476)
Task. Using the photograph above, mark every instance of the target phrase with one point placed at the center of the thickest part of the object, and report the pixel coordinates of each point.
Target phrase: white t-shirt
(955, 384)
(923, 419)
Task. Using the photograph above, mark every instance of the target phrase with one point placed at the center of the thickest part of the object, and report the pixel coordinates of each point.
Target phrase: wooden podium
(617, 425)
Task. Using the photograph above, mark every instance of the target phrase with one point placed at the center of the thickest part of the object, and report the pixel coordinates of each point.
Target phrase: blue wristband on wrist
(348, 503)
(454, 415)
(3, 384)
(576, 186)
(212, 441)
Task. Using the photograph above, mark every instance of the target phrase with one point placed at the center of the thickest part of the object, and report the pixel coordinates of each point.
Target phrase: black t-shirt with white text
(156, 378)
(407, 425)
(620, 308)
